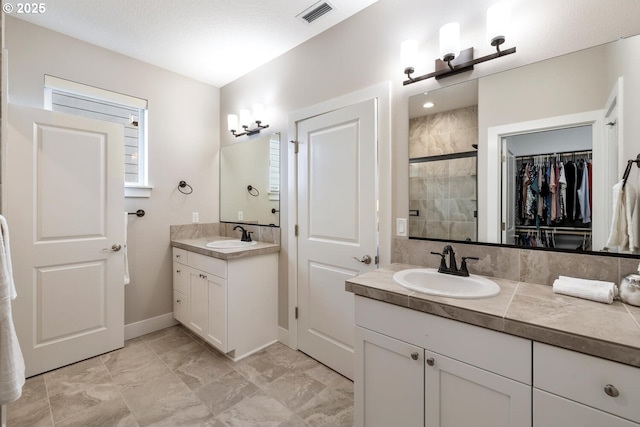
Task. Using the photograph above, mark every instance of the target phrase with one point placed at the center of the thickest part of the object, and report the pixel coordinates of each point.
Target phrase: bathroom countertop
(200, 246)
(609, 331)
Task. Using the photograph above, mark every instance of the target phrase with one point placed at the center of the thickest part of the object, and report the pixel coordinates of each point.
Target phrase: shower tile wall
(443, 192)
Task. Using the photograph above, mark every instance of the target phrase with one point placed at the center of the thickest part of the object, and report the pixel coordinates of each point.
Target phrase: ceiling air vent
(316, 11)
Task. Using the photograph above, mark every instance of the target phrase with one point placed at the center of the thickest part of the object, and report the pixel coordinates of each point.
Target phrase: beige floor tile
(261, 368)
(294, 389)
(196, 365)
(139, 372)
(167, 339)
(111, 413)
(124, 357)
(32, 409)
(331, 407)
(256, 410)
(221, 394)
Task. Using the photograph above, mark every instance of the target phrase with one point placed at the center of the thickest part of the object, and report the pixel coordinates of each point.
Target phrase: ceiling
(213, 41)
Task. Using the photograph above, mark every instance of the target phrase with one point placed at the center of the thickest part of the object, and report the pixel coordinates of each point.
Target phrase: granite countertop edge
(379, 285)
(199, 246)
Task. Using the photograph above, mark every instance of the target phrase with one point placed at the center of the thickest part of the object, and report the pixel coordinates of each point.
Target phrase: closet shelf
(561, 230)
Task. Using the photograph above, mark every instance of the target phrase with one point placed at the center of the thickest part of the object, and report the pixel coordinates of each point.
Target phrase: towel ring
(183, 184)
(253, 191)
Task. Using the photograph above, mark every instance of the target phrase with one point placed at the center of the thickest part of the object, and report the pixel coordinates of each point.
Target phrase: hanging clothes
(584, 195)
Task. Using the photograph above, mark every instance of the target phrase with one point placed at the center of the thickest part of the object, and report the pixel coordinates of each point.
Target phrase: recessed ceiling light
(428, 104)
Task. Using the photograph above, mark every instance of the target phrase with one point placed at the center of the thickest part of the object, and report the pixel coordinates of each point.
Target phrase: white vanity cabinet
(231, 304)
(571, 388)
(413, 368)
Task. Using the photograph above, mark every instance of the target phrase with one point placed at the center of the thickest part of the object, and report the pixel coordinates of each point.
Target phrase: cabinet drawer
(180, 306)
(180, 278)
(550, 410)
(493, 351)
(583, 378)
(211, 265)
(180, 255)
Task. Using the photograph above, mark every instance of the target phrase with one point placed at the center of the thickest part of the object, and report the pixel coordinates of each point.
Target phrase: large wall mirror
(250, 181)
(529, 156)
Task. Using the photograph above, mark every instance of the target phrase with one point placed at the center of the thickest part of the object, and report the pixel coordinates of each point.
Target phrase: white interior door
(64, 180)
(508, 194)
(337, 219)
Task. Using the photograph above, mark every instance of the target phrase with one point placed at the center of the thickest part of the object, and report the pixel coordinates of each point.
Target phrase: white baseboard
(283, 335)
(143, 327)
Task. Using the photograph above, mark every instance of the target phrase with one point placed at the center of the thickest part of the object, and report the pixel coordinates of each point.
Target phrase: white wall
(183, 144)
(365, 50)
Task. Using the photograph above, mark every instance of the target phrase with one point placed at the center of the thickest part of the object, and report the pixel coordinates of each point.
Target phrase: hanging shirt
(562, 180)
(552, 190)
(583, 196)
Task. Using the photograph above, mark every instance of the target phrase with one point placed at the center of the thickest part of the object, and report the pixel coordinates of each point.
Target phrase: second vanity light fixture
(452, 60)
(250, 121)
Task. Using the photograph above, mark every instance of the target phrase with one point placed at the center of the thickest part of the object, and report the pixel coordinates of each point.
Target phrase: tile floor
(172, 378)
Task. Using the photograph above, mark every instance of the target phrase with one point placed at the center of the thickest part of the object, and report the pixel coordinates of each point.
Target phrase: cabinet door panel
(180, 307)
(553, 411)
(180, 277)
(457, 394)
(198, 295)
(217, 300)
(388, 384)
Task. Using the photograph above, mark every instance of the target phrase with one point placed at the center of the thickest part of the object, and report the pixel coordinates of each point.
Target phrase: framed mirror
(527, 157)
(250, 181)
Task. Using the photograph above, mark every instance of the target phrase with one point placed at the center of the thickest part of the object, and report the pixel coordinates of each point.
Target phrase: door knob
(115, 248)
(431, 361)
(365, 259)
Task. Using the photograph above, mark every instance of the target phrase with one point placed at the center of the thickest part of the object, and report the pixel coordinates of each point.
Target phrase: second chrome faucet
(453, 265)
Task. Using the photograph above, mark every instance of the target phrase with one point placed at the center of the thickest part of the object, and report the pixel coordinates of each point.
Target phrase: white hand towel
(618, 235)
(580, 289)
(631, 201)
(591, 282)
(12, 372)
(127, 278)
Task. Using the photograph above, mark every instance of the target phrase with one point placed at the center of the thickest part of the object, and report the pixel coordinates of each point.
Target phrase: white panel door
(337, 218)
(65, 187)
(458, 394)
(509, 171)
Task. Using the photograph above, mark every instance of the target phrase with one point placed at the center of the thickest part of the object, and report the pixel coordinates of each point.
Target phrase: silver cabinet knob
(414, 355)
(177, 255)
(365, 259)
(178, 271)
(178, 301)
(431, 361)
(611, 390)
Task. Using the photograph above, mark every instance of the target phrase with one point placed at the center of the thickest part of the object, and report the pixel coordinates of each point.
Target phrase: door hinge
(295, 146)
(504, 158)
(295, 230)
(377, 260)
(503, 226)
(296, 312)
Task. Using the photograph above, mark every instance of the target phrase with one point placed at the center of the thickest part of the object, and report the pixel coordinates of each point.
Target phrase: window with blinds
(87, 101)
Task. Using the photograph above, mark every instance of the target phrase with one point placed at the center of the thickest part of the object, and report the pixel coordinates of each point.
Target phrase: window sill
(137, 190)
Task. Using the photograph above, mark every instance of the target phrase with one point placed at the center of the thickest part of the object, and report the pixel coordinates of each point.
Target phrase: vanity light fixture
(428, 104)
(453, 60)
(247, 119)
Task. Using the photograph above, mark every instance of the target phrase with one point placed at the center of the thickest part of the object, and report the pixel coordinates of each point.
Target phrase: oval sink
(229, 244)
(429, 281)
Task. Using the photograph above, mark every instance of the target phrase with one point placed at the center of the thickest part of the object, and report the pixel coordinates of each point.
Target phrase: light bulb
(498, 19)
(450, 41)
(409, 54)
(258, 112)
(245, 117)
(232, 122)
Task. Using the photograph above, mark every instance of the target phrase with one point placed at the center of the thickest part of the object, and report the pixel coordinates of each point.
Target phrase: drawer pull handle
(611, 390)
(414, 355)
(178, 301)
(178, 256)
(431, 361)
(178, 271)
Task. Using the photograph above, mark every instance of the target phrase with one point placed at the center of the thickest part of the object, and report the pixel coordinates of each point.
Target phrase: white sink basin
(229, 244)
(429, 281)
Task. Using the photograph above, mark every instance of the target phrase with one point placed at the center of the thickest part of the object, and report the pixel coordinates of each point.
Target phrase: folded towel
(127, 278)
(594, 290)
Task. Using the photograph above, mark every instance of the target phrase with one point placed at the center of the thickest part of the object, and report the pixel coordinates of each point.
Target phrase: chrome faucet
(453, 265)
(246, 235)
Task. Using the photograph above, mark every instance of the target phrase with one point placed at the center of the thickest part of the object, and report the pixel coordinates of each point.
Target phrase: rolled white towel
(591, 282)
(581, 288)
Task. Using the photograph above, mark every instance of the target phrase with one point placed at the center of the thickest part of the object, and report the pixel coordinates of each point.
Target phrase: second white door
(338, 226)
